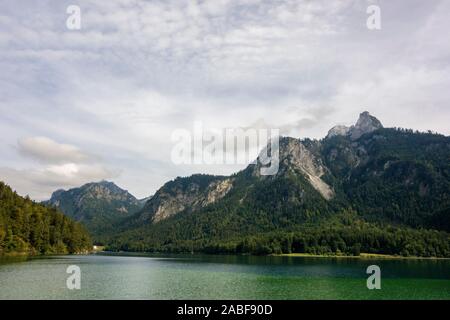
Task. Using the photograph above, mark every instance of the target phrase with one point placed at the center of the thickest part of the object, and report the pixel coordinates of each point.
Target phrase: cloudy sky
(102, 102)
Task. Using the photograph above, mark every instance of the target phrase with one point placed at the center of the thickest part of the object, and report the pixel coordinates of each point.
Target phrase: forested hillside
(346, 234)
(27, 227)
(394, 175)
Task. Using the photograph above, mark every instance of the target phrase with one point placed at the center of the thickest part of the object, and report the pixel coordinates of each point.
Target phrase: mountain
(97, 205)
(365, 124)
(181, 194)
(363, 187)
(143, 201)
(27, 227)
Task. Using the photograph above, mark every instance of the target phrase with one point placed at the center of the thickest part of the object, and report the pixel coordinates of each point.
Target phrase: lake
(221, 277)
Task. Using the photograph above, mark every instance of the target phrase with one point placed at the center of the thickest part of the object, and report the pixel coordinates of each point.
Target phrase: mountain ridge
(380, 175)
(293, 155)
(98, 205)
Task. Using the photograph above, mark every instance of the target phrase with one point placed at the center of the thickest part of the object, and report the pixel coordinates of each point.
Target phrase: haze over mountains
(375, 177)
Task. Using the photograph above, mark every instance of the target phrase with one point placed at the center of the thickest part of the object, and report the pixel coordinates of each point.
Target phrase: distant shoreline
(13, 254)
(361, 256)
(367, 256)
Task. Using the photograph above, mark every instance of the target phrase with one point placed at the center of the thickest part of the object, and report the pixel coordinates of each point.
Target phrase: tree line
(30, 228)
(339, 237)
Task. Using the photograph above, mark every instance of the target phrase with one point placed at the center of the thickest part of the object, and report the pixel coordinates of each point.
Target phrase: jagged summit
(91, 185)
(366, 123)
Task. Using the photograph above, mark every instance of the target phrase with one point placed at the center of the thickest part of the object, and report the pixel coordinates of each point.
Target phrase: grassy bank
(33, 253)
(15, 254)
(361, 256)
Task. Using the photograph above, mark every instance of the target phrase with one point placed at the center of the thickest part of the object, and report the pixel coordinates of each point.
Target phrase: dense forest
(27, 227)
(343, 234)
(401, 176)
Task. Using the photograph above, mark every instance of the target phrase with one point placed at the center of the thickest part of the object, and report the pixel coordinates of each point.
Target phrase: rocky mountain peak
(192, 192)
(106, 190)
(103, 190)
(96, 204)
(366, 123)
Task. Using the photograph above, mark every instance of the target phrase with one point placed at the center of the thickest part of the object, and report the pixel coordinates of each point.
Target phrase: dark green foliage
(28, 227)
(401, 176)
(347, 235)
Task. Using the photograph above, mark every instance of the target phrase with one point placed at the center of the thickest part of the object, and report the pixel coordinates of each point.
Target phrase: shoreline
(361, 256)
(33, 254)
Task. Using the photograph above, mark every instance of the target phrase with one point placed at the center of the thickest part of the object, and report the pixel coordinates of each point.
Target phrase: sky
(102, 102)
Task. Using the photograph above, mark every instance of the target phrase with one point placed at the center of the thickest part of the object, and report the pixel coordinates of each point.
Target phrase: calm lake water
(221, 277)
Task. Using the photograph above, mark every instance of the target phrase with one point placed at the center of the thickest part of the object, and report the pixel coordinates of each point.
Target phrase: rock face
(295, 155)
(338, 130)
(366, 123)
(299, 157)
(97, 205)
(181, 194)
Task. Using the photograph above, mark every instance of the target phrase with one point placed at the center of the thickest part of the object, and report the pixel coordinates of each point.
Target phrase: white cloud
(58, 165)
(137, 70)
(39, 183)
(48, 151)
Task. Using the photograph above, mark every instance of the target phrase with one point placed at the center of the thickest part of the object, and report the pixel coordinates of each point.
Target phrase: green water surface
(221, 277)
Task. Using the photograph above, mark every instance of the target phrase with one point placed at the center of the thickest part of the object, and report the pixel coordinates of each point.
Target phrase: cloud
(54, 165)
(48, 151)
(138, 70)
(39, 183)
